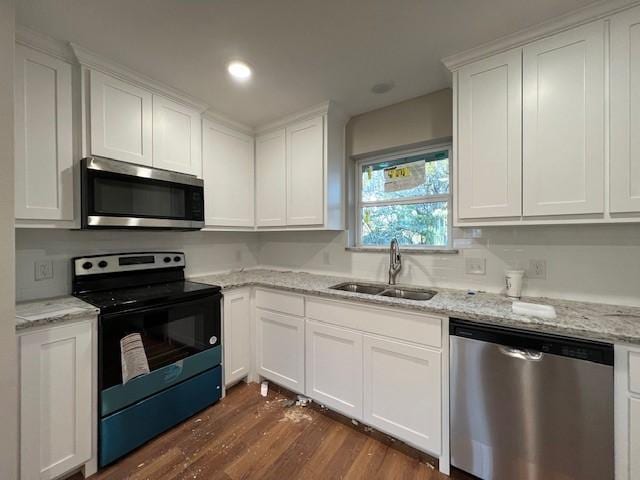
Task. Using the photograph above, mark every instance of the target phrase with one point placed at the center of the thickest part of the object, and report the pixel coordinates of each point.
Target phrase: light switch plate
(475, 266)
(43, 270)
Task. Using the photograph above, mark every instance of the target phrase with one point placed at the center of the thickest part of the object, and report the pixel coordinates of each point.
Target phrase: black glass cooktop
(120, 299)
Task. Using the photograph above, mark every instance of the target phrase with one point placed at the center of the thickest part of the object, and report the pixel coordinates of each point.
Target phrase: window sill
(419, 251)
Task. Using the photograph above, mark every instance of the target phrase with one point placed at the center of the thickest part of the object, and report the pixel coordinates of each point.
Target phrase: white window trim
(359, 204)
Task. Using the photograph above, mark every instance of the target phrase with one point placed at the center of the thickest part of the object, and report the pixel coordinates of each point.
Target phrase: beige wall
(412, 122)
(8, 363)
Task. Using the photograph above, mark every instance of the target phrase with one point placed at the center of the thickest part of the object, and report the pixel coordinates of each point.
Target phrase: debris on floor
(303, 401)
(295, 415)
(264, 388)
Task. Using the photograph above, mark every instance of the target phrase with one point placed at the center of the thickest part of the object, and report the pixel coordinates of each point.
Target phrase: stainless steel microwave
(123, 195)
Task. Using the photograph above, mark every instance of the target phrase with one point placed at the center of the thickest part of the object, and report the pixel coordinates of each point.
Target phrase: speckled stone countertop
(594, 321)
(51, 310)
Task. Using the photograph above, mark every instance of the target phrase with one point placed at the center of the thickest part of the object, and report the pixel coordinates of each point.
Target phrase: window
(407, 197)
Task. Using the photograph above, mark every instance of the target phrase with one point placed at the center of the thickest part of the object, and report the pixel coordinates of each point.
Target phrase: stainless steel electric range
(159, 348)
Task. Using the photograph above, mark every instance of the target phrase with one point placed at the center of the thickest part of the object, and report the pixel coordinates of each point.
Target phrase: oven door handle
(217, 296)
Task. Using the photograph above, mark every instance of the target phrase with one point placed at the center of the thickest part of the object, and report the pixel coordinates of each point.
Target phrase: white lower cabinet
(237, 335)
(379, 365)
(634, 437)
(55, 400)
(280, 349)
(334, 368)
(403, 391)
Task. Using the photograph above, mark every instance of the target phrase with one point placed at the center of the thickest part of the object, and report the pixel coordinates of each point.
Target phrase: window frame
(398, 154)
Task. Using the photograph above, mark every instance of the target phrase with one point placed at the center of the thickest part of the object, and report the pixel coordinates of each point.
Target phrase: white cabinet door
(305, 172)
(489, 137)
(563, 123)
(334, 368)
(121, 120)
(625, 112)
(228, 174)
(402, 391)
(271, 185)
(177, 137)
(280, 349)
(43, 135)
(634, 437)
(55, 400)
(237, 335)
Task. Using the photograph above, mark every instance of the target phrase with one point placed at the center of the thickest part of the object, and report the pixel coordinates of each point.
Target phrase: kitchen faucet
(395, 261)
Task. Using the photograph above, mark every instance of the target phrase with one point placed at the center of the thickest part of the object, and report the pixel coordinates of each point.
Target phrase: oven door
(122, 195)
(180, 341)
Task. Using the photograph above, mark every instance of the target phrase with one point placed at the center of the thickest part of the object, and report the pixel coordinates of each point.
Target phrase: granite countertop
(51, 310)
(593, 321)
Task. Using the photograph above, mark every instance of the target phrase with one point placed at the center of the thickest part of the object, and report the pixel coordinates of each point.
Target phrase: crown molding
(314, 111)
(75, 54)
(94, 61)
(216, 118)
(589, 13)
(45, 44)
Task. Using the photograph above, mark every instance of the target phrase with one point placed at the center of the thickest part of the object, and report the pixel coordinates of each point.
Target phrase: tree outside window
(407, 198)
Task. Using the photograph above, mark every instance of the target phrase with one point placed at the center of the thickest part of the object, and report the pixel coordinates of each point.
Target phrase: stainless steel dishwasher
(529, 406)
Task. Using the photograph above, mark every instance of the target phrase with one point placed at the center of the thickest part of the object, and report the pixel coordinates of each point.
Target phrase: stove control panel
(126, 262)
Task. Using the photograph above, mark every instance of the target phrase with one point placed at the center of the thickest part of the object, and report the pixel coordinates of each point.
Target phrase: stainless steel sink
(369, 289)
(409, 293)
(386, 290)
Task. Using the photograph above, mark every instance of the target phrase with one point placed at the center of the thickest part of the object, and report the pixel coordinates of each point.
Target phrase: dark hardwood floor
(246, 436)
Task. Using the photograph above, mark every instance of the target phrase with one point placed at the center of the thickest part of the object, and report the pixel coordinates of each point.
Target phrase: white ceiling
(303, 52)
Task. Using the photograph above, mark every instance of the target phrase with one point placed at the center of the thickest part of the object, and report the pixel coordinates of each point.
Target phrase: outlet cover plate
(537, 269)
(475, 266)
(43, 270)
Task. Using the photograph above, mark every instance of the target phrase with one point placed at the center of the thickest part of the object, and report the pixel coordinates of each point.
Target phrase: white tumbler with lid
(513, 280)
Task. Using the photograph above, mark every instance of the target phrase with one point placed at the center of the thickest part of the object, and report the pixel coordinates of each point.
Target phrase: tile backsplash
(206, 252)
(598, 263)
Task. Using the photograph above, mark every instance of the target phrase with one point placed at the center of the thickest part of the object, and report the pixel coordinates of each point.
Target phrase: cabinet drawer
(280, 302)
(634, 372)
(408, 326)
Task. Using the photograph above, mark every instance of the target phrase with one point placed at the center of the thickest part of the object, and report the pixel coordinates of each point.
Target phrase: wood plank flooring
(246, 436)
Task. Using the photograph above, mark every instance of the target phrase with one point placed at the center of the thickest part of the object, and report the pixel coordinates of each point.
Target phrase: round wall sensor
(384, 87)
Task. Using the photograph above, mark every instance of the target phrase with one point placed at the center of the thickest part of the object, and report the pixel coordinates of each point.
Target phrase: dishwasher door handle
(529, 355)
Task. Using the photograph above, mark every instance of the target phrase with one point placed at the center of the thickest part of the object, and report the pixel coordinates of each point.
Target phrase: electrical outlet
(537, 269)
(475, 266)
(43, 269)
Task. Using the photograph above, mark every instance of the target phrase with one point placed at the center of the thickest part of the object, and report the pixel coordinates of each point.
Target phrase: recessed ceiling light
(239, 70)
(379, 88)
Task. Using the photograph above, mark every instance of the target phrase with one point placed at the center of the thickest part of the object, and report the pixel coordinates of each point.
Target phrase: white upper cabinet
(271, 174)
(300, 171)
(121, 120)
(43, 137)
(563, 123)
(489, 157)
(228, 174)
(176, 137)
(305, 172)
(625, 112)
